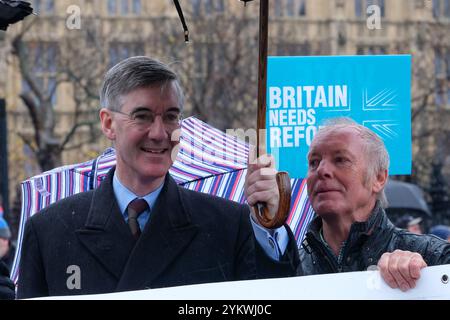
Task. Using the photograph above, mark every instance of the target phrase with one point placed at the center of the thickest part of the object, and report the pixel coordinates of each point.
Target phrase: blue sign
(302, 92)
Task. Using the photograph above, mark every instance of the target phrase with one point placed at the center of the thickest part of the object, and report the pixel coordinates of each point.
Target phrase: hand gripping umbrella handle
(262, 212)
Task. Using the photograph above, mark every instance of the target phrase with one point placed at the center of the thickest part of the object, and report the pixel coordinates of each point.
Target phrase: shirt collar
(124, 196)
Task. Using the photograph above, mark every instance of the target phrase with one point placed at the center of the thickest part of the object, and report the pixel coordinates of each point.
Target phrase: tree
(65, 64)
(218, 67)
(439, 191)
(430, 115)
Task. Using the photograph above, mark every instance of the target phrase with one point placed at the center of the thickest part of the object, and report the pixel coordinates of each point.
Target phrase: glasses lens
(143, 117)
(171, 117)
(147, 117)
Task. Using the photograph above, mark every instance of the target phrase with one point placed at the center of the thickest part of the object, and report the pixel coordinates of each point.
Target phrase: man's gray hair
(375, 150)
(134, 73)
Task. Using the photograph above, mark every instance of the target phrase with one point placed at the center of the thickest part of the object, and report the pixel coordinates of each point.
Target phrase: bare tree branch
(20, 52)
(79, 145)
(32, 111)
(72, 132)
(424, 97)
(27, 142)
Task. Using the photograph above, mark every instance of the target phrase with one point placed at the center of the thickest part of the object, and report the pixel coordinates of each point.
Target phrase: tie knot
(136, 207)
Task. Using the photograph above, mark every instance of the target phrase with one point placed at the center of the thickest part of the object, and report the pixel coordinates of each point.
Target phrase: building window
(112, 7)
(278, 9)
(199, 61)
(119, 51)
(302, 8)
(124, 7)
(362, 5)
(382, 7)
(358, 8)
(137, 7)
(219, 5)
(203, 59)
(290, 11)
(442, 70)
(44, 6)
(441, 9)
(207, 7)
(340, 3)
(209, 58)
(448, 78)
(43, 59)
(447, 62)
(196, 7)
(436, 8)
(371, 50)
(293, 49)
(290, 8)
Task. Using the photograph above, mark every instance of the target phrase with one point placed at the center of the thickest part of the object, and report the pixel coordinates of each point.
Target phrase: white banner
(433, 284)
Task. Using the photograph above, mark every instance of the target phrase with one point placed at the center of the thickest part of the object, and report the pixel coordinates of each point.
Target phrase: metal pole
(4, 190)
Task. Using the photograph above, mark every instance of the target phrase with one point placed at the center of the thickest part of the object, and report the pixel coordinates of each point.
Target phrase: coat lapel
(105, 234)
(167, 233)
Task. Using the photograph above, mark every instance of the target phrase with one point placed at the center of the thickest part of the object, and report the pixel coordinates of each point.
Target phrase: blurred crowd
(7, 249)
(414, 225)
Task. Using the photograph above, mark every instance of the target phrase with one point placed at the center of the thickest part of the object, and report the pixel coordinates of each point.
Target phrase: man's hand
(401, 269)
(260, 183)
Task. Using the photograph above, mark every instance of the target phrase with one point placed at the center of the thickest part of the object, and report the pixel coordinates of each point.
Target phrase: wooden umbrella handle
(262, 212)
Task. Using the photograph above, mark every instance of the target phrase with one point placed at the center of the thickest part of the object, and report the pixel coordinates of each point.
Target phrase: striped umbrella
(208, 161)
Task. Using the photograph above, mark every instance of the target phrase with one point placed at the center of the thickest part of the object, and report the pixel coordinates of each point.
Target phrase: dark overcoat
(190, 238)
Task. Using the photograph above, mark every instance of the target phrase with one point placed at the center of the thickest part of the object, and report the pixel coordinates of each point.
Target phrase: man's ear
(379, 181)
(107, 124)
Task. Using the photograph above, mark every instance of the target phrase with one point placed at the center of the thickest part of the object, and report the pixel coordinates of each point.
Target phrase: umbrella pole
(262, 76)
(284, 182)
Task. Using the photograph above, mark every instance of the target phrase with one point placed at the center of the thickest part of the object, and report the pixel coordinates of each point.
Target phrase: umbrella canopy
(403, 195)
(12, 11)
(208, 161)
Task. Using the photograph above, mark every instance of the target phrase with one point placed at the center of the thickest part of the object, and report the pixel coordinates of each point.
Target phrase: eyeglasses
(144, 117)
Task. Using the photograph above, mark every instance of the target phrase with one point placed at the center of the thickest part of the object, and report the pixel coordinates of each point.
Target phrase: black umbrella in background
(406, 201)
(12, 11)
(407, 196)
